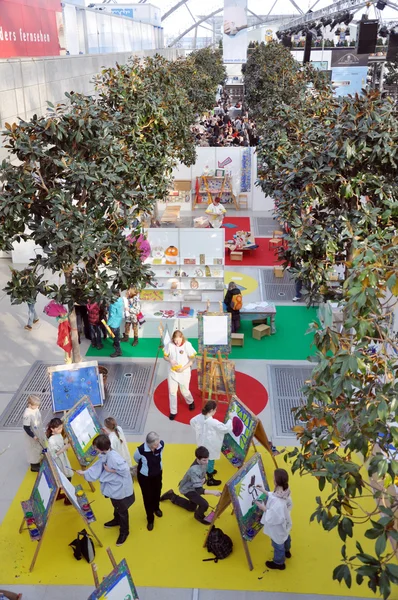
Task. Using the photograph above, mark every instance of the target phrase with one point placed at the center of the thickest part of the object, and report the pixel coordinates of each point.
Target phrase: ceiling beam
(172, 9)
(177, 39)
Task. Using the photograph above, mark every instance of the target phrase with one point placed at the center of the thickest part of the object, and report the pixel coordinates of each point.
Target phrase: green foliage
(391, 73)
(24, 286)
(86, 170)
(331, 165)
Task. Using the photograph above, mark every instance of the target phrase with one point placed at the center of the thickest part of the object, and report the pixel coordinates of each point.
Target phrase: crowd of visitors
(228, 125)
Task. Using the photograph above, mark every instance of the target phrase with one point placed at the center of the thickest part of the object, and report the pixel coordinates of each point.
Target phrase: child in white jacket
(277, 520)
(210, 434)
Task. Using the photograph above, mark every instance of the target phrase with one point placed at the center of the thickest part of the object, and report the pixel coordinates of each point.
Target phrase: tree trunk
(76, 357)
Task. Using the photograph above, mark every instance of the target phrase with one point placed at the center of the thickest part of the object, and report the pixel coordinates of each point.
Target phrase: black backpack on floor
(219, 544)
(83, 547)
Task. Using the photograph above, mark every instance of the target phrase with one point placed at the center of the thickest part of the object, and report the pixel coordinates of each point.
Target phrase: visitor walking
(116, 483)
(233, 303)
(132, 307)
(93, 314)
(191, 486)
(32, 316)
(180, 354)
(115, 318)
(210, 434)
(148, 457)
(277, 520)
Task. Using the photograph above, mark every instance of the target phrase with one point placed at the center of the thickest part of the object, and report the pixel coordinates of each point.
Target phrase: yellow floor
(171, 555)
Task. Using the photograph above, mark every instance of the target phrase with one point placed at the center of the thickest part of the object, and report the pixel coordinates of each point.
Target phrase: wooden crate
(236, 255)
(278, 272)
(260, 331)
(237, 339)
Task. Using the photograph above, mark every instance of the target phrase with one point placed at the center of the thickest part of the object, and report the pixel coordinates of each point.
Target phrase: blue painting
(69, 383)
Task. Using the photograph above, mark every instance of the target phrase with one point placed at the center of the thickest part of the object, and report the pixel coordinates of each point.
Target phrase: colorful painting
(245, 178)
(37, 508)
(214, 333)
(236, 444)
(118, 585)
(151, 295)
(69, 383)
(82, 427)
(218, 384)
(244, 494)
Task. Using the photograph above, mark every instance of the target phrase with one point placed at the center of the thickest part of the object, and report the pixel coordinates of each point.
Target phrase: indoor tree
(331, 165)
(80, 175)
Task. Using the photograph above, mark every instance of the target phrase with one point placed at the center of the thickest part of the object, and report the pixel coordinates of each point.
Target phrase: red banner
(29, 28)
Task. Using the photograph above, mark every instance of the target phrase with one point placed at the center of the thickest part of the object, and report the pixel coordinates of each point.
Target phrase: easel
(258, 432)
(226, 499)
(119, 571)
(28, 506)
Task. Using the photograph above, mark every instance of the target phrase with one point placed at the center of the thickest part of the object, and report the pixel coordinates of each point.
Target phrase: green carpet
(290, 341)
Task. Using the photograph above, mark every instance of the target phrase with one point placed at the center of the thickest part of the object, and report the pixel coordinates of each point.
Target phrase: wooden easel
(223, 504)
(120, 570)
(216, 360)
(59, 488)
(94, 567)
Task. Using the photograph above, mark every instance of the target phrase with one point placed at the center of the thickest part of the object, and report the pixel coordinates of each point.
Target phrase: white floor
(18, 351)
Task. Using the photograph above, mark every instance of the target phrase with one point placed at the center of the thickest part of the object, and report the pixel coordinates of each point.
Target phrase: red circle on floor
(249, 390)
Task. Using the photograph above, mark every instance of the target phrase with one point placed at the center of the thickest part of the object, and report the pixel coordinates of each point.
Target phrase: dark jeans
(95, 332)
(116, 340)
(235, 321)
(280, 551)
(151, 488)
(195, 503)
(121, 512)
(299, 287)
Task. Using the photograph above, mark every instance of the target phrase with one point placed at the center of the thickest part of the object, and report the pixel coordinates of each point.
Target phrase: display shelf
(202, 245)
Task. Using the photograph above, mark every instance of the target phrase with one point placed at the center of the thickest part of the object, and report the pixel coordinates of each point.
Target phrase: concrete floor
(18, 350)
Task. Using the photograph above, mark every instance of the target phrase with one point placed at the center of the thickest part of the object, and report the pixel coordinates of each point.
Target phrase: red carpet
(239, 224)
(261, 257)
(256, 399)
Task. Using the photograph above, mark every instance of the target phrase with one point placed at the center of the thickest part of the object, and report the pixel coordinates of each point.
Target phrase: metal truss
(351, 6)
(172, 9)
(205, 18)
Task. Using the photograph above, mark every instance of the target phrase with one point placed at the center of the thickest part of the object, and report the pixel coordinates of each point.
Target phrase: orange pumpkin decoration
(171, 254)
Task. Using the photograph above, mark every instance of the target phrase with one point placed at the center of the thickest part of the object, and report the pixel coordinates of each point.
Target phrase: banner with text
(29, 28)
(235, 31)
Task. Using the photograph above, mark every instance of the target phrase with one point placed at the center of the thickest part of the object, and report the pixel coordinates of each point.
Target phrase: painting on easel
(214, 333)
(245, 427)
(242, 492)
(237, 443)
(82, 426)
(69, 383)
(118, 585)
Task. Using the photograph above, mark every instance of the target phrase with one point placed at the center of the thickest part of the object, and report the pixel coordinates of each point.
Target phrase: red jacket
(93, 312)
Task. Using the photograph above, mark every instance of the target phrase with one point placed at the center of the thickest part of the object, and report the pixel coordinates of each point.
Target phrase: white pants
(181, 380)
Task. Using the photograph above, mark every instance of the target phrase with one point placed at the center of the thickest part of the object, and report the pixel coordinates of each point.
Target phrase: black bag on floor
(219, 543)
(83, 546)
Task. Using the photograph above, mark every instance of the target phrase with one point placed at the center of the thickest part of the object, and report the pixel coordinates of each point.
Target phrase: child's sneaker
(273, 565)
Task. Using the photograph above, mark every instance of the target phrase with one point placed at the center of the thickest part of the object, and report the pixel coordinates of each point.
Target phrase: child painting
(58, 448)
(33, 427)
(277, 520)
(118, 439)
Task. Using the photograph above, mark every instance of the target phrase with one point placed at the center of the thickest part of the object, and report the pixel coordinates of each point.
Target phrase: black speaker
(287, 41)
(392, 52)
(367, 36)
(307, 49)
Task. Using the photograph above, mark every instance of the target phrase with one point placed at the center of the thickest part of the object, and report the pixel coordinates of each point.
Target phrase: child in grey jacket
(191, 486)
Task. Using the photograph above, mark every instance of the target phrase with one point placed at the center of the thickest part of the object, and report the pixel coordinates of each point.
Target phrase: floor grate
(275, 289)
(285, 384)
(126, 396)
(265, 226)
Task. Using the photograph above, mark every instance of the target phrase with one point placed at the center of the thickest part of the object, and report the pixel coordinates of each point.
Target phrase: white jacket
(210, 433)
(119, 444)
(276, 517)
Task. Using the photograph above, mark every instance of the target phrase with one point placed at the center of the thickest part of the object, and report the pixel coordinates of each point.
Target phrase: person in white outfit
(210, 434)
(215, 212)
(58, 447)
(277, 520)
(118, 439)
(180, 354)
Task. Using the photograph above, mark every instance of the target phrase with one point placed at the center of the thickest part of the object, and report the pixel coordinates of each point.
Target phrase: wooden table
(232, 247)
(261, 311)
